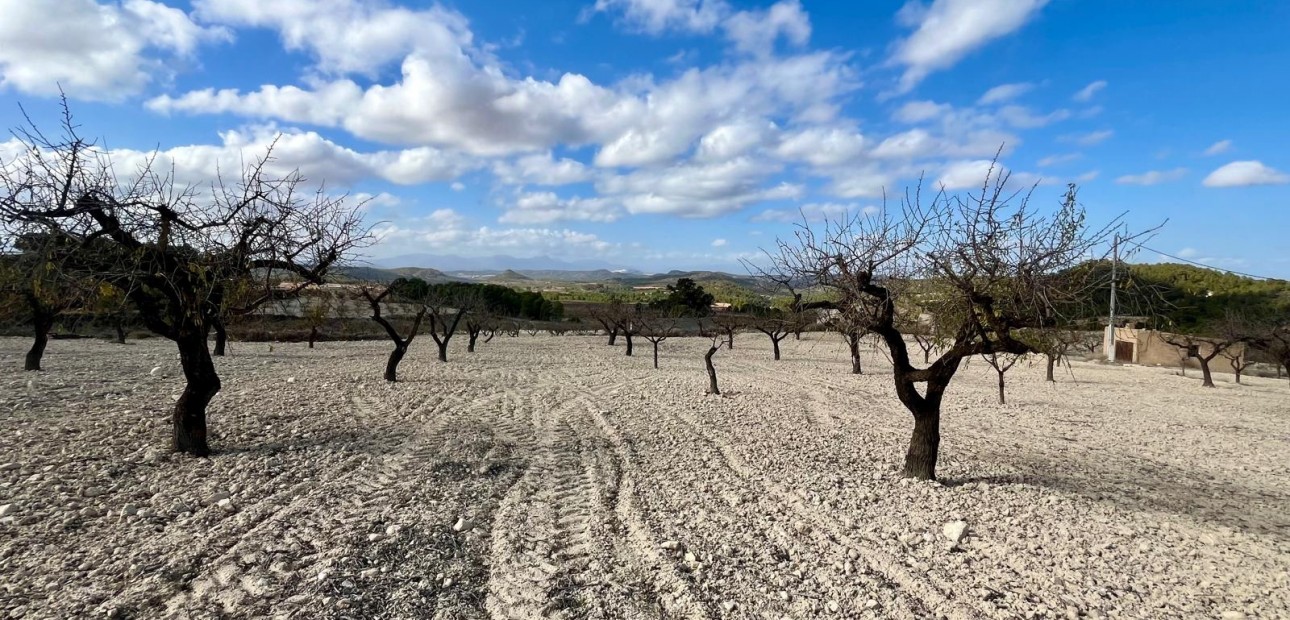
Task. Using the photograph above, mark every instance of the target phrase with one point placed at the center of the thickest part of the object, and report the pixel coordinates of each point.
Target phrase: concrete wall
(1151, 349)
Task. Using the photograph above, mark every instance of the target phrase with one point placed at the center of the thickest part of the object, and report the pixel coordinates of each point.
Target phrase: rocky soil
(554, 477)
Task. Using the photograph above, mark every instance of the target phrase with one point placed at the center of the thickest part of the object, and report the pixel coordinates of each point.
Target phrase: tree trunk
(628, 335)
(1052, 361)
(1207, 379)
(221, 337)
(120, 333)
(41, 325)
(392, 366)
(202, 385)
(920, 461)
(313, 336)
(730, 341)
(655, 356)
(613, 337)
(775, 344)
(1002, 400)
(1238, 374)
(443, 350)
(853, 342)
(712, 371)
(470, 344)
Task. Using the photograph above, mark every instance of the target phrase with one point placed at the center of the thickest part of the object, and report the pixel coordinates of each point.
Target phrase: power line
(1185, 260)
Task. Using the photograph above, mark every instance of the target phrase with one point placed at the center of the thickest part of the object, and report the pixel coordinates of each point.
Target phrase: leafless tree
(316, 309)
(713, 347)
(657, 327)
(729, 324)
(1230, 334)
(1055, 344)
(989, 264)
(401, 342)
(479, 321)
(627, 318)
(34, 285)
(1274, 340)
(445, 315)
(174, 249)
(777, 325)
(1001, 363)
(607, 315)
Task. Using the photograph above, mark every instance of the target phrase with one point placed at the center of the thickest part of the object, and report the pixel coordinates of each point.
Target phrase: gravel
(552, 476)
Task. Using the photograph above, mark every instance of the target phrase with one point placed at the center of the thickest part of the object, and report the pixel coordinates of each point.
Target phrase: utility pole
(1109, 347)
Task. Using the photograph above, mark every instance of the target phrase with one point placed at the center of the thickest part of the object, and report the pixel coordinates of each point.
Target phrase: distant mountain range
(494, 263)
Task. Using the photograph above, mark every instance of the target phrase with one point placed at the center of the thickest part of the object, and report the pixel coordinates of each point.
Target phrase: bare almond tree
(445, 315)
(657, 327)
(989, 264)
(777, 325)
(729, 324)
(173, 248)
(1001, 363)
(401, 342)
(713, 347)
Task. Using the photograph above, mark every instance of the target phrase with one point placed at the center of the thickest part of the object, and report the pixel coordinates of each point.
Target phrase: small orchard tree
(657, 327)
(401, 342)
(446, 308)
(174, 249)
(1001, 363)
(1273, 339)
(627, 318)
(607, 315)
(36, 287)
(1230, 335)
(987, 265)
(729, 324)
(777, 325)
(713, 347)
(316, 309)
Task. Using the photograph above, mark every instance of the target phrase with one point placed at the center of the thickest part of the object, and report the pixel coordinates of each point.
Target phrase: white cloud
(546, 207)
(1054, 160)
(541, 169)
(458, 186)
(94, 51)
(445, 232)
(734, 139)
(1218, 148)
(1244, 173)
(696, 189)
(1188, 253)
(1088, 92)
(1005, 92)
(814, 212)
(1087, 139)
(752, 32)
(1022, 118)
(347, 36)
(1088, 176)
(719, 243)
(822, 147)
(919, 111)
(1152, 177)
(948, 30)
(969, 174)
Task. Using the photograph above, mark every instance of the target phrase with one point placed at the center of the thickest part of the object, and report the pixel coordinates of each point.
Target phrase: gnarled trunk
(470, 343)
(1207, 379)
(313, 335)
(775, 344)
(443, 350)
(853, 343)
(712, 371)
(730, 340)
(120, 331)
(613, 336)
(221, 336)
(189, 418)
(628, 335)
(924, 445)
(1052, 361)
(41, 324)
(392, 365)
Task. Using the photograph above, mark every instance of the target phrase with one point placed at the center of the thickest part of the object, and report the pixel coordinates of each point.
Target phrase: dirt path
(554, 477)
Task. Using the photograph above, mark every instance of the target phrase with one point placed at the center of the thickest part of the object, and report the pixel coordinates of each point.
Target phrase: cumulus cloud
(815, 212)
(948, 30)
(752, 32)
(919, 111)
(1005, 92)
(94, 51)
(696, 189)
(547, 207)
(719, 243)
(541, 169)
(1218, 148)
(969, 174)
(1245, 173)
(1152, 177)
(1088, 92)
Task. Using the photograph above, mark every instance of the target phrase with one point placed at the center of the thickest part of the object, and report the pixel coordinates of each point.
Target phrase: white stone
(10, 466)
(226, 504)
(392, 530)
(156, 370)
(462, 525)
(291, 379)
(93, 492)
(1233, 615)
(833, 606)
(870, 604)
(129, 510)
(670, 545)
(729, 606)
(955, 531)
(7, 510)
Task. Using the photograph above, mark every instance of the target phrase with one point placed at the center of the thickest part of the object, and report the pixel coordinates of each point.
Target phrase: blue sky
(663, 134)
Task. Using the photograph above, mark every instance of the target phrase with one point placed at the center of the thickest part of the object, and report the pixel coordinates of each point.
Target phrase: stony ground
(553, 477)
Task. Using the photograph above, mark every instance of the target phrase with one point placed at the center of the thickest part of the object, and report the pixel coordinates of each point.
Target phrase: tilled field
(554, 477)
